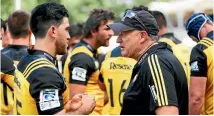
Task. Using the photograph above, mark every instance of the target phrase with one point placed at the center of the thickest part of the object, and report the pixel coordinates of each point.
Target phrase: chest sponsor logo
(120, 66)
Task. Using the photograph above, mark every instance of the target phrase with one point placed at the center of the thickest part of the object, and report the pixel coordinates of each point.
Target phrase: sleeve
(81, 67)
(47, 87)
(101, 73)
(161, 84)
(198, 61)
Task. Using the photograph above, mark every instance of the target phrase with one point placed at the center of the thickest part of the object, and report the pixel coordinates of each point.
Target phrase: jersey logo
(79, 74)
(152, 89)
(194, 66)
(120, 66)
(49, 99)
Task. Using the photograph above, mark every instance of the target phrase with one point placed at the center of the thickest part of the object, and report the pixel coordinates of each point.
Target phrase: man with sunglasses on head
(200, 28)
(158, 84)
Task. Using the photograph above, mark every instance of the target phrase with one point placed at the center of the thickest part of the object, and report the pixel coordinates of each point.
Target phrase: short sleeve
(47, 87)
(161, 84)
(81, 67)
(198, 61)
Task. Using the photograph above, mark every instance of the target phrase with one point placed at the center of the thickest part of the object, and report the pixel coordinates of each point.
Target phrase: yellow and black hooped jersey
(82, 67)
(201, 62)
(158, 79)
(115, 73)
(38, 85)
(7, 76)
(179, 50)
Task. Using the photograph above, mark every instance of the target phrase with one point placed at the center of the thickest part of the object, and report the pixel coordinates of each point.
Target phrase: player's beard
(61, 47)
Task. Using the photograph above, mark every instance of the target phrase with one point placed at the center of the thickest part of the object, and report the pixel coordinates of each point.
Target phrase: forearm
(195, 105)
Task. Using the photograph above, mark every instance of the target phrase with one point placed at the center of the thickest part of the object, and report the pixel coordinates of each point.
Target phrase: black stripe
(7, 85)
(206, 42)
(209, 41)
(5, 94)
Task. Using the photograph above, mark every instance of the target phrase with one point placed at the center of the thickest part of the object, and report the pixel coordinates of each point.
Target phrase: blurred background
(175, 11)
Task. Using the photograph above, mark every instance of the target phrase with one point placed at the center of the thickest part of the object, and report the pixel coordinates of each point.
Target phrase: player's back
(15, 52)
(116, 72)
(182, 54)
(7, 76)
(25, 78)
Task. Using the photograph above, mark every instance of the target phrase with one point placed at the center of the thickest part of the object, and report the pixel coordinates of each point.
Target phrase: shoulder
(7, 65)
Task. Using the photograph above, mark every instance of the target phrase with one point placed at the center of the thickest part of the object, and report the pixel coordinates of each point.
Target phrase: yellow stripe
(162, 80)
(208, 40)
(32, 63)
(153, 76)
(39, 66)
(36, 62)
(158, 79)
(202, 42)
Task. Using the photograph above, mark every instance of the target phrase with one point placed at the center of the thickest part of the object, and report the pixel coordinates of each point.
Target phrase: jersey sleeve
(47, 88)
(81, 67)
(161, 84)
(198, 61)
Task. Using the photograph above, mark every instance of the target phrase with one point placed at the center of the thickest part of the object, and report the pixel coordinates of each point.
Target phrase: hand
(74, 103)
(88, 104)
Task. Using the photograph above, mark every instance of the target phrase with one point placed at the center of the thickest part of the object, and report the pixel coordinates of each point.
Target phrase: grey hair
(154, 37)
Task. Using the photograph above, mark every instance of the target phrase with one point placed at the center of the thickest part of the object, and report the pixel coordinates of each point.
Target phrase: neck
(92, 42)
(144, 49)
(21, 41)
(162, 31)
(45, 45)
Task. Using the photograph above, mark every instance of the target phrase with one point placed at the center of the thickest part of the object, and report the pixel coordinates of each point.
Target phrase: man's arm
(198, 80)
(167, 110)
(81, 67)
(162, 87)
(196, 94)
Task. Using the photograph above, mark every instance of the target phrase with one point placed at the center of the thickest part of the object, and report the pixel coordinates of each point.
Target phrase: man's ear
(144, 36)
(93, 32)
(52, 31)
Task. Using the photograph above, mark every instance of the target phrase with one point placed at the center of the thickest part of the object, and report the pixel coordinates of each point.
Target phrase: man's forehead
(65, 21)
(106, 22)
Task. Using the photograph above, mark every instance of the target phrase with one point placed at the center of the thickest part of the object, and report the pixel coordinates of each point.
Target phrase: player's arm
(198, 81)
(47, 89)
(165, 102)
(80, 67)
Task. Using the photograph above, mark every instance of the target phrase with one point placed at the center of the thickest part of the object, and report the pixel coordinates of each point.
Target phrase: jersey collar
(94, 51)
(151, 50)
(210, 35)
(40, 52)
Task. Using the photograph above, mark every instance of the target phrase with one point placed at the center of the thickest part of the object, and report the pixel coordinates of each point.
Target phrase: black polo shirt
(158, 79)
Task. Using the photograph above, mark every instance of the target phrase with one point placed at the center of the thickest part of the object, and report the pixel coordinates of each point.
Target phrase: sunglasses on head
(131, 14)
